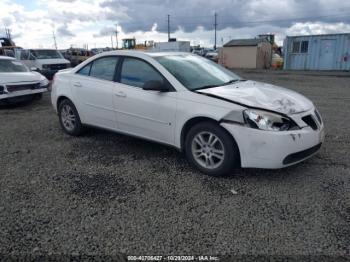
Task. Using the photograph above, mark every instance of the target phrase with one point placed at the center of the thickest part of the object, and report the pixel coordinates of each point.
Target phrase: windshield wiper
(224, 84)
(233, 81)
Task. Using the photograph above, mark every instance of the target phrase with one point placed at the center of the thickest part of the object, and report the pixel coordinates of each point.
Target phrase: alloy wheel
(68, 117)
(208, 150)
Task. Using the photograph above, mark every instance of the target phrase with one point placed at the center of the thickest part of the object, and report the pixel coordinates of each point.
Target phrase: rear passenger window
(104, 68)
(136, 72)
(85, 71)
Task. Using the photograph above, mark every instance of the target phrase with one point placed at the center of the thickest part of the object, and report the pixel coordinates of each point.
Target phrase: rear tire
(69, 118)
(211, 149)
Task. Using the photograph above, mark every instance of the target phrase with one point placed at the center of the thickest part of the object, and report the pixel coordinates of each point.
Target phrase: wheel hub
(68, 117)
(208, 150)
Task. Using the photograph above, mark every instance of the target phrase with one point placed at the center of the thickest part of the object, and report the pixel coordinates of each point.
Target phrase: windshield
(195, 72)
(12, 66)
(46, 54)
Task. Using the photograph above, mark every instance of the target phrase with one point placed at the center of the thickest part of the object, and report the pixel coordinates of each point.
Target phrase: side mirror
(155, 85)
(34, 69)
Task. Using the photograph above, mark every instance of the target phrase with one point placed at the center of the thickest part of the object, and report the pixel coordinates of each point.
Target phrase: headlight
(265, 120)
(44, 83)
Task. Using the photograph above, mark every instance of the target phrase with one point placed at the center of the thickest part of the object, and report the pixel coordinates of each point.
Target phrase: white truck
(45, 61)
(18, 83)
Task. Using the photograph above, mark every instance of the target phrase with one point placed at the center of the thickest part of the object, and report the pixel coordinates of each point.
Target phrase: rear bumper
(267, 149)
(22, 93)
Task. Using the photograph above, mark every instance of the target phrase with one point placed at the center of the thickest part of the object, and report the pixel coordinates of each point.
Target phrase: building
(317, 52)
(246, 53)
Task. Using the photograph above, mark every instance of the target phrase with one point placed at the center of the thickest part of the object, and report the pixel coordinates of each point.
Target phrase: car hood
(8, 78)
(261, 95)
(52, 61)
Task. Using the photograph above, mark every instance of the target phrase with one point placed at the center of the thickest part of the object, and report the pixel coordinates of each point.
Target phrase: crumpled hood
(7, 78)
(261, 95)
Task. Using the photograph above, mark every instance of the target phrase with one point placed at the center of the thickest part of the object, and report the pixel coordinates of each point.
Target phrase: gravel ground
(109, 194)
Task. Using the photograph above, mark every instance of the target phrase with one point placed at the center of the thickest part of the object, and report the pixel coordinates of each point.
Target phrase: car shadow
(107, 147)
(141, 149)
(16, 105)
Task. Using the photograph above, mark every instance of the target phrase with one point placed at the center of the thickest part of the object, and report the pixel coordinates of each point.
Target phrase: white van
(45, 61)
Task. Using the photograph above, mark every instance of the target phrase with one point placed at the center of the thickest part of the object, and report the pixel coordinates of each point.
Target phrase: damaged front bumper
(269, 149)
(27, 92)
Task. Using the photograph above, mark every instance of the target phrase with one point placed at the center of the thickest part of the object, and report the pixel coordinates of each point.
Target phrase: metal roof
(245, 42)
(320, 35)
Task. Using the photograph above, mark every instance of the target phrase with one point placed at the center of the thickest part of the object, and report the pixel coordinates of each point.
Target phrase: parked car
(218, 119)
(45, 61)
(7, 51)
(17, 83)
(95, 51)
(213, 55)
(198, 51)
(76, 55)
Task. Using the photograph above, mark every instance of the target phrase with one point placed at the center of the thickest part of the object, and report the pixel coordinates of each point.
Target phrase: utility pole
(112, 40)
(54, 39)
(168, 28)
(215, 25)
(8, 33)
(116, 37)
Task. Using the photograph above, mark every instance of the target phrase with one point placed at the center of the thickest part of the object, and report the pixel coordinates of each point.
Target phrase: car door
(93, 88)
(145, 113)
(327, 53)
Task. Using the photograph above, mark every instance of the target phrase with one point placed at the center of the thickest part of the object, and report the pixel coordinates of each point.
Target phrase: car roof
(140, 53)
(6, 57)
(38, 49)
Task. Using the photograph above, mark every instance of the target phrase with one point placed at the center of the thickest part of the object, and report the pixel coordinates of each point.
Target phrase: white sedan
(18, 83)
(219, 120)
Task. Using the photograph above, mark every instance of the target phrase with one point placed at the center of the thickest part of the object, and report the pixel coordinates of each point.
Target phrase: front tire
(69, 118)
(211, 149)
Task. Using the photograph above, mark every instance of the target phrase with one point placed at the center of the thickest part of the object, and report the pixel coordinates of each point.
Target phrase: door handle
(120, 94)
(77, 84)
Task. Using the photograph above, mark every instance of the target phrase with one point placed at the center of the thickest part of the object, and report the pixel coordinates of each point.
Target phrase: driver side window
(136, 72)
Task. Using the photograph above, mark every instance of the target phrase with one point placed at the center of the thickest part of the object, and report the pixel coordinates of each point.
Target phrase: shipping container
(317, 52)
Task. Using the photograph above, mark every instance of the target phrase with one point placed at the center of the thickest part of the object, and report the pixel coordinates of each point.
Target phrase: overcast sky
(92, 22)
